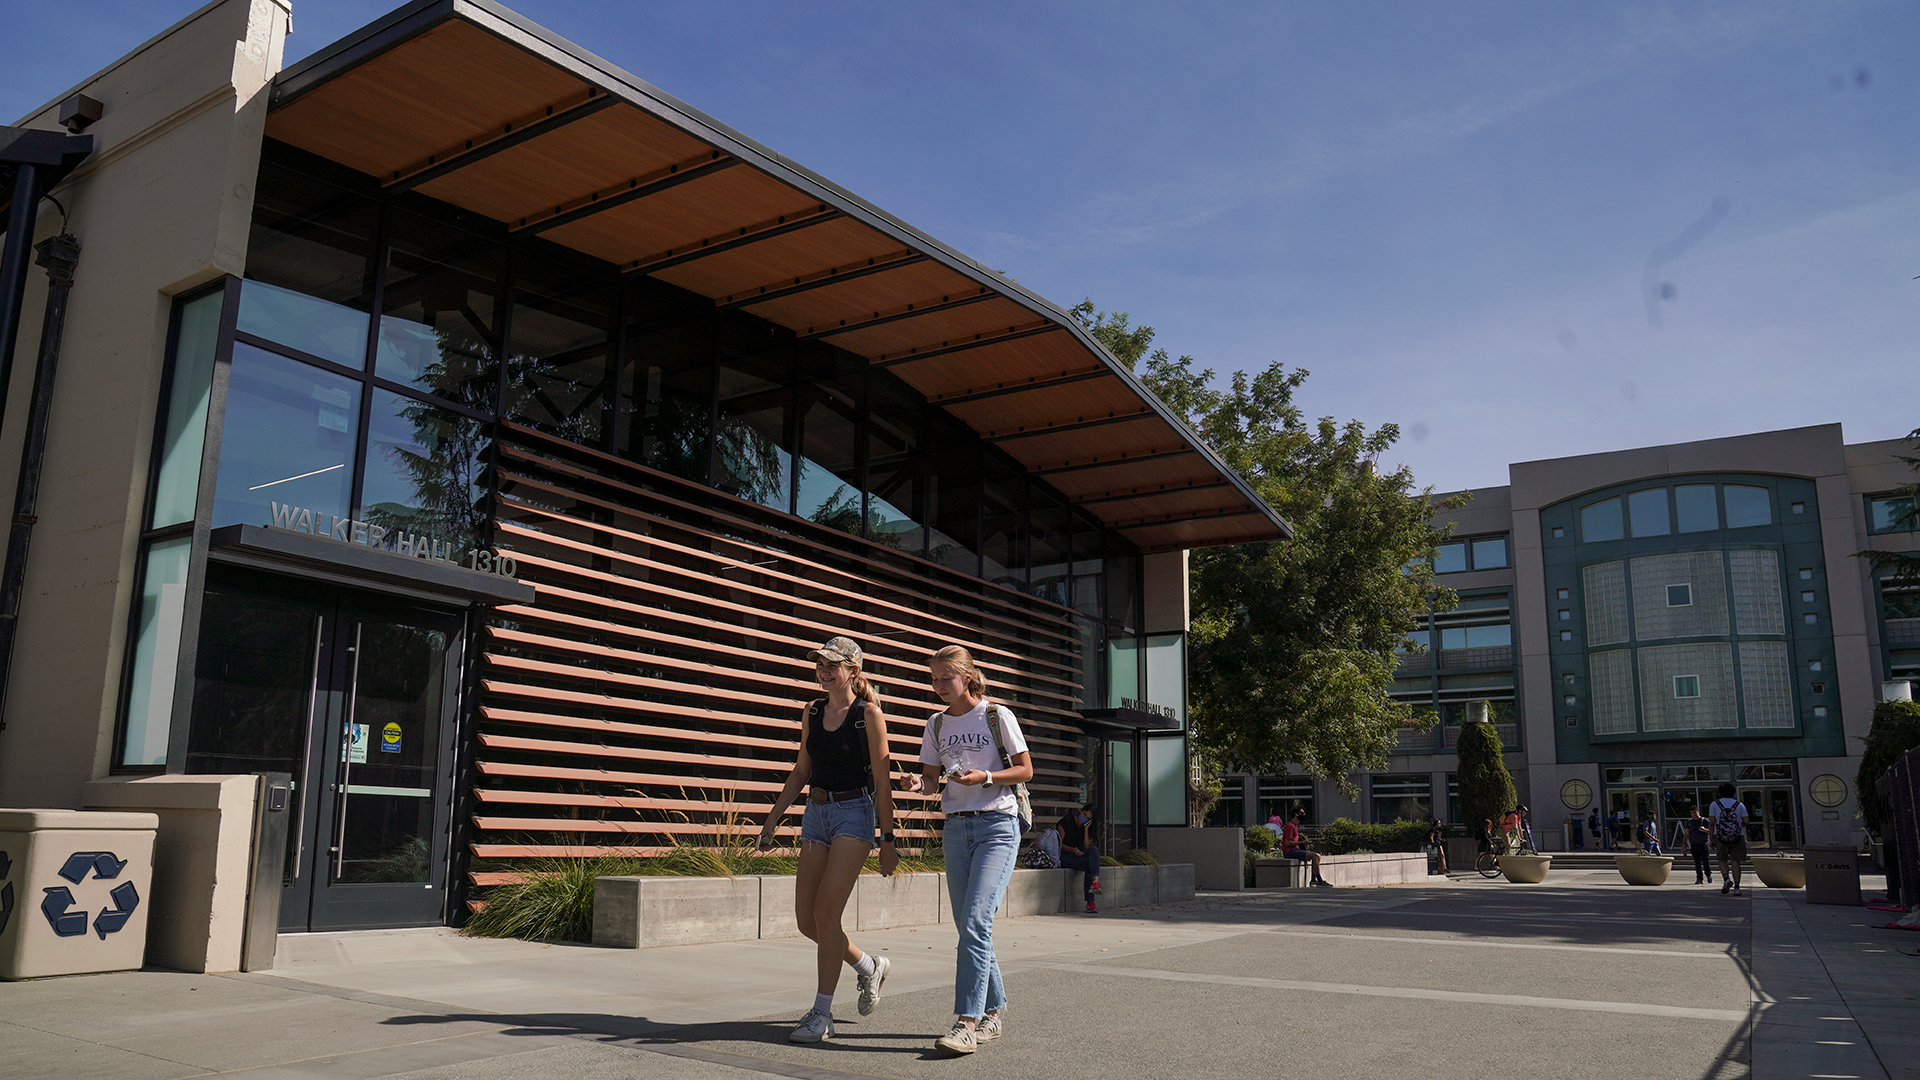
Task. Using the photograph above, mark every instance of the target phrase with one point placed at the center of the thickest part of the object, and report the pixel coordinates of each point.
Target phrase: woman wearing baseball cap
(843, 763)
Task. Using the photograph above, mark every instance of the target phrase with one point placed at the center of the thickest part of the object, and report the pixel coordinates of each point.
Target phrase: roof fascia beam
(820, 279)
(1148, 492)
(1036, 382)
(820, 214)
(639, 187)
(1077, 424)
(1174, 519)
(1112, 462)
(552, 118)
(980, 340)
(946, 302)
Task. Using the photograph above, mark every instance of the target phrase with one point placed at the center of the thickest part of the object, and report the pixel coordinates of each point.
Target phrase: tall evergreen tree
(1486, 787)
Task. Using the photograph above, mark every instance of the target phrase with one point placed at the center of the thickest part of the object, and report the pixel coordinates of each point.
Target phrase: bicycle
(1488, 861)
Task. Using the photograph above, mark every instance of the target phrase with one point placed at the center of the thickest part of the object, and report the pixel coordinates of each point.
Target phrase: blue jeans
(979, 852)
(1088, 863)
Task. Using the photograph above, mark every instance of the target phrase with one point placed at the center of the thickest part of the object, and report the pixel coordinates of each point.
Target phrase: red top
(1289, 836)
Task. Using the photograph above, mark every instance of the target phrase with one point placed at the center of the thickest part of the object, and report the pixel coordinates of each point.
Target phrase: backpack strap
(999, 741)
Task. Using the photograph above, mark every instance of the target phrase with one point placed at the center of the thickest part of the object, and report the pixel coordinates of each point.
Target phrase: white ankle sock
(823, 1003)
(865, 965)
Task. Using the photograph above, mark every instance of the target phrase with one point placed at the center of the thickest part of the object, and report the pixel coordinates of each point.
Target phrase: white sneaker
(870, 985)
(816, 1026)
(988, 1029)
(961, 1040)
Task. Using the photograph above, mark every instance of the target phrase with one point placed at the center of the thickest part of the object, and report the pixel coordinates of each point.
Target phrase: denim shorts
(823, 822)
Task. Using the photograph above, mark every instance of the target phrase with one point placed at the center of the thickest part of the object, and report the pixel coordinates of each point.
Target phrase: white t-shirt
(1713, 815)
(967, 740)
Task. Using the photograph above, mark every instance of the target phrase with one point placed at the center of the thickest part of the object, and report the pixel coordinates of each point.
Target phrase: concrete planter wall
(1644, 869)
(642, 912)
(1525, 869)
(1391, 868)
(1781, 871)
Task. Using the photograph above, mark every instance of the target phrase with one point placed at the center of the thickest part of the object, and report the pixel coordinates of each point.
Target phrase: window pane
(156, 653)
(1490, 554)
(287, 444)
(1698, 511)
(668, 385)
(753, 461)
(1003, 545)
(309, 265)
(423, 471)
(893, 477)
(560, 359)
(1487, 637)
(1648, 511)
(829, 451)
(438, 323)
(953, 508)
(1601, 521)
(1747, 506)
(176, 489)
(1450, 559)
(1890, 515)
(1051, 524)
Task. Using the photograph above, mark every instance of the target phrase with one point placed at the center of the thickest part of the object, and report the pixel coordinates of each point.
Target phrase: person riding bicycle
(1510, 829)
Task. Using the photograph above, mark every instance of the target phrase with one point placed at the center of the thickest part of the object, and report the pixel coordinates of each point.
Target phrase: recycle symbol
(54, 905)
(6, 892)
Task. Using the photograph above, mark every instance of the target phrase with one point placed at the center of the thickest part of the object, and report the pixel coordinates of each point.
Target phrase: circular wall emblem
(1576, 794)
(1828, 790)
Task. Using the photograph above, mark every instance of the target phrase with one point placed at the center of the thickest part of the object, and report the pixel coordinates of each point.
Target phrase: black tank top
(840, 761)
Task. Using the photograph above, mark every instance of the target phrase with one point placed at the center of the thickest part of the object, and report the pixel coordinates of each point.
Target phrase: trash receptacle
(1833, 874)
(73, 888)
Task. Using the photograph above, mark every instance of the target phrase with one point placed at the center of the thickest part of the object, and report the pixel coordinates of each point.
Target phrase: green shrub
(1895, 729)
(1261, 839)
(1486, 787)
(1137, 857)
(553, 903)
(1344, 837)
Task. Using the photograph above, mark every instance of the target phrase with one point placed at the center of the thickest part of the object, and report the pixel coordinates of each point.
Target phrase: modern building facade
(1651, 623)
(480, 436)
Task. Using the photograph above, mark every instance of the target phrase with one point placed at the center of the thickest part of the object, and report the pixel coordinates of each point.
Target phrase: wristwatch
(988, 782)
(886, 838)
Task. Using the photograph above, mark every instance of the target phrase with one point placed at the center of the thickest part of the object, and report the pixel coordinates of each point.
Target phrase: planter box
(1216, 854)
(1525, 869)
(642, 912)
(1644, 869)
(1391, 868)
(1780, 871)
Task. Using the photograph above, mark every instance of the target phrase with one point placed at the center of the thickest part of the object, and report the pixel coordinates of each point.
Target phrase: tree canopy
(1486, 787)
(1291, 645)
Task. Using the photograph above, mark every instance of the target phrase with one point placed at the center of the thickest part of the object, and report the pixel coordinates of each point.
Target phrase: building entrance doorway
(1626, 808)
(353, 694)
(1771, 821)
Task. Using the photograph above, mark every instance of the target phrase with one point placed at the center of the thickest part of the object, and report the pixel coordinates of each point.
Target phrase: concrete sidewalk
(1582, 976)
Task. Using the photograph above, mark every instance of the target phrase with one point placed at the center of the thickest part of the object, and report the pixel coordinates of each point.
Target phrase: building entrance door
(355, 695)
(1771, 821)
(1626, 808)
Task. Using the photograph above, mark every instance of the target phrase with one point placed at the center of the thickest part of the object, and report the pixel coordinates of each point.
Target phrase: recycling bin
(73, 891)
(1833, 874)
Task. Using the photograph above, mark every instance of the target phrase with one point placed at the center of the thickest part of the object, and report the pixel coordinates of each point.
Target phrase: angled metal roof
(473, 105)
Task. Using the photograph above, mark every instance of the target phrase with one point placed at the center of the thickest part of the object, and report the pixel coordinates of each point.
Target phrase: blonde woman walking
(843, 763)
(977, 748)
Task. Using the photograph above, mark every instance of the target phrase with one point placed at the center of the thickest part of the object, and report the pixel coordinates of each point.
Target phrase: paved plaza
(1580, 977)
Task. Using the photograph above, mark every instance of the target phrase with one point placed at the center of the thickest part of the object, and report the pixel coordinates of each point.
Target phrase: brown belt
(819, 796)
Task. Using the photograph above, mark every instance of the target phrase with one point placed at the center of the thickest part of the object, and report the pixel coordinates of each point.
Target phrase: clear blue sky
(1517, 230)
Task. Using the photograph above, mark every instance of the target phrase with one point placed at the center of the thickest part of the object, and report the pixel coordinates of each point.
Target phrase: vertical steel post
(13, 268)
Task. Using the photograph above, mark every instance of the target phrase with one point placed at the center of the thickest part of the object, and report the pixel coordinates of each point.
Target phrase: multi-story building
(1650, 623)
(480, 436)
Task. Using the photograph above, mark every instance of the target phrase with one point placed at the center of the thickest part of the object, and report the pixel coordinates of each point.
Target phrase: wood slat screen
(651, 695)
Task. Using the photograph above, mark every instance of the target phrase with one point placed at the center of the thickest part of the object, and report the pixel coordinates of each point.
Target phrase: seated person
(1295, 846)
(1078, 852)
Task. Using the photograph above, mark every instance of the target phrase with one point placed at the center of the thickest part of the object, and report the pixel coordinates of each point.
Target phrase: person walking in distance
(1593, 826)
(1729, 817)
(1079, 852)
(1699, 835)
(975, 745)
(1295, 846)
(843, 763)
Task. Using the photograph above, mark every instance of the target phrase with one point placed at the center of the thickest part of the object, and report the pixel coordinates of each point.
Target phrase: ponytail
(863, 689)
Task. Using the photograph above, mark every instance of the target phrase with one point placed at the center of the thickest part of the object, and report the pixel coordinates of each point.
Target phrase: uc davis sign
(73, 888)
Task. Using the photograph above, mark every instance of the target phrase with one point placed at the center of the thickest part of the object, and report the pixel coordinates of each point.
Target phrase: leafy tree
(1291, 645)
(1895, 729)
(1486, 787)
(1904, 566)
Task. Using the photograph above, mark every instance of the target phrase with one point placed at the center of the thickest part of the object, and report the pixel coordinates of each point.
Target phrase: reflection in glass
(386, 806)
(1490, 554)
(1450, 559)
(752, 459)
(829, 491)
(560, 361)
(1892, 514)
(156, 653)
(1051, 525)
(893, 480)
(309, 265)
(1601, 521)
(1698, 510)
(438, 311)
(667, 386)
(1003, 543)
(1648, 512)
(288, 439)
(423, 471)
(953, 505)
(253, 682)
(1476, 637)
(176, 487)
(1747, 506)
